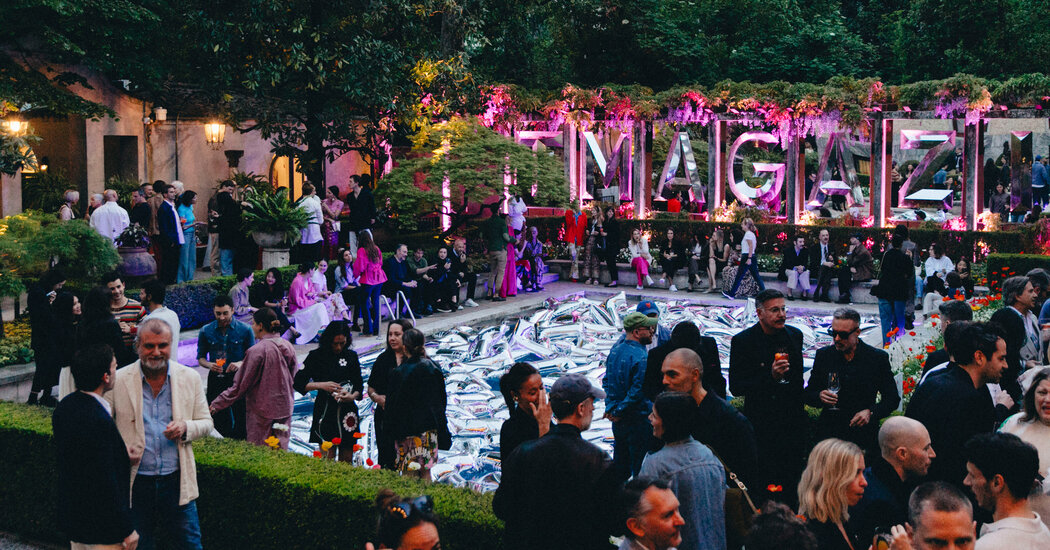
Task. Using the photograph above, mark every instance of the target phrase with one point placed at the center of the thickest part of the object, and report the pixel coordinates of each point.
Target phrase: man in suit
(850, 410)
(822, 262)
(170, 237)
(796, 268)
(93, 463)
(765, 368)
(159, 408)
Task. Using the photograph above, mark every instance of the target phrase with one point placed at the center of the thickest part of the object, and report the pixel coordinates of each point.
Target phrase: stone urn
(274, 248)
(136, 262)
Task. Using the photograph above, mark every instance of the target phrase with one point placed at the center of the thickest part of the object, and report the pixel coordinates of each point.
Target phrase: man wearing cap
(765, 368)
(626, 405)
(662, 335)
(557, 491)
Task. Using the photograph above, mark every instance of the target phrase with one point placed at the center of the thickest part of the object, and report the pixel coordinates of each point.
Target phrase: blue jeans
(744, 268)
(891, 315)
(155, 500)
(632, 439)
(226, 260)
(368, 304)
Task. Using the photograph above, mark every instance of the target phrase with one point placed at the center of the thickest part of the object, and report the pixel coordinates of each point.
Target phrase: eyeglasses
(406, 508)
(843, 334)
(775, 309)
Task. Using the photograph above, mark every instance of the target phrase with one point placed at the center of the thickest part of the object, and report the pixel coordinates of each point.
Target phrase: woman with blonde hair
(833, 481)
(70, 197)
(638, 246)
(717, 257)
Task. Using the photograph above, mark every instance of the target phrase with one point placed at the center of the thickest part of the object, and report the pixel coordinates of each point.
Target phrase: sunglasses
(407, 508)
(843, 334)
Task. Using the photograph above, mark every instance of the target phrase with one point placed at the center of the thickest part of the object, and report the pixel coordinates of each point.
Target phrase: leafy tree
(475, 160)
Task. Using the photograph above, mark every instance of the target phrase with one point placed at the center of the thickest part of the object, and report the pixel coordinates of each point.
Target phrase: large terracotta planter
(136, 262)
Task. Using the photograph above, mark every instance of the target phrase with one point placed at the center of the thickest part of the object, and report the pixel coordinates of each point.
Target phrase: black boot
(33, 397)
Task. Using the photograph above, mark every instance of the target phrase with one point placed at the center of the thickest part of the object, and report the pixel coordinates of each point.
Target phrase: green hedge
(1004, 266)
(250, 497)
(773, 237)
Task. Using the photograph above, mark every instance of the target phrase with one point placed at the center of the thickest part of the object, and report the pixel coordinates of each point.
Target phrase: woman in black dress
(334, 371)
(43, 339)
(271, 293)
(530, 413)
(379, 386)
(672, 258)
(832, 483)
(98, 326)
(415, 411)
(611, 234)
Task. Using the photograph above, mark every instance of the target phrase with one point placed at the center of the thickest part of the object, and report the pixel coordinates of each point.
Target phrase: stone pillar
(643, 181)
(880, 184)
(795, 179)
(11, 194)
(972, 192)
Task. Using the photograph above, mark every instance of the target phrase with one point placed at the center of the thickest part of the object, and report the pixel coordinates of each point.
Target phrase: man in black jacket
(717, 424)
(229, 224)
(94, 469)
(1020, 330)
(955, 404)
(850, 411)
(795, 268)
(765, 368)
(685, 335)
(557, 491)
(951, 311)
(362, 212)
(906, 454)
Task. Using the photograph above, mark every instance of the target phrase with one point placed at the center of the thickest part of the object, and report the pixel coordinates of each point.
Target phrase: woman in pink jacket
(368, 267)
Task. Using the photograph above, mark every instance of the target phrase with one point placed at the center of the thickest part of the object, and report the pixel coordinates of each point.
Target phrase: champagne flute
(834, 386)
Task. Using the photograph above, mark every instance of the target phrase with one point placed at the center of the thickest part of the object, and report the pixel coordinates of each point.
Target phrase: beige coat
(187, 404)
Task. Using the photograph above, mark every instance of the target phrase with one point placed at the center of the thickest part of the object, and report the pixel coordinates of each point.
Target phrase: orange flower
(935, 316)
(931, 349)
(774, 488)
(358, 435)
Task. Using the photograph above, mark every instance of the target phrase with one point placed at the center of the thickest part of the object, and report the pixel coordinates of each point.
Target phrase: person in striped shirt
(128, 312)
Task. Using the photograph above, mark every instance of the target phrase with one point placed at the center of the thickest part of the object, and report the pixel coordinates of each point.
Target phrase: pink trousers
(641, 268)
(259, 428)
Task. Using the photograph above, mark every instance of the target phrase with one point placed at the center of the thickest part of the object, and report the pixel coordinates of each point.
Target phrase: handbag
(740, 510)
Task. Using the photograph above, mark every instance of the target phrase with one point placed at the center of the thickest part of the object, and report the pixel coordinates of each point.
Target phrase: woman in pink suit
(368, 267)
(309, 315)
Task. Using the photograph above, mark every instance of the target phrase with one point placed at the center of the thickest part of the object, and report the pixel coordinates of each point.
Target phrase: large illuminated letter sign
(837, 143)
(769, 193)
(941, 142)
(681, 151)
(616, 158)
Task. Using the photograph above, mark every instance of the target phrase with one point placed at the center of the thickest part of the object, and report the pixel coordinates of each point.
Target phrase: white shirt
(312, 232)
(1034, 433)
(1014, 533)
(178, 222)
(110, 220)
(749, 244)
(172, 319)
(943, 265)
(639, 249)
(516, 210)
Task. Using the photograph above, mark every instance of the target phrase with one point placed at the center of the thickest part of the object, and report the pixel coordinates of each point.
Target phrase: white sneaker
(639, 287)
(649, 280)
(673, 288)
(470, 303)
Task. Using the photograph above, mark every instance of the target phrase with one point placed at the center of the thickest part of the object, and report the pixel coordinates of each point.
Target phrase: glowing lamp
(214, 134)
(15, 127)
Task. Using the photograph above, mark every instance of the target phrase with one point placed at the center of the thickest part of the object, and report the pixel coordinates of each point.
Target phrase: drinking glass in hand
(834, 386)
(782, 354)
(219, 358)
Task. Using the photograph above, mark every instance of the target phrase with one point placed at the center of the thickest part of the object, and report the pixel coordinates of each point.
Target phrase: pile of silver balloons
(572, 335)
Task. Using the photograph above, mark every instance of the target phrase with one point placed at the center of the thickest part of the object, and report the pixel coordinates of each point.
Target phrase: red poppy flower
(317, 454)
(357, 448)
(931, 349)
(337, 440)
(368, 462)
(774, 488)
(912, 333)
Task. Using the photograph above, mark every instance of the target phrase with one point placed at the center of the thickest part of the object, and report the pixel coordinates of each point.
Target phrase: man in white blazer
(159, 408)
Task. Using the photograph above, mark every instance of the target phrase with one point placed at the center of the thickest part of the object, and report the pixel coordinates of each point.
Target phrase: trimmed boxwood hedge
(771, 237)
(1004, 266)
(250, 497)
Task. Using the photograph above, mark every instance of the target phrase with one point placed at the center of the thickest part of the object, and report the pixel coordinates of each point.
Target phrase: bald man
(718, 424)
(906, 456)
(110, 219)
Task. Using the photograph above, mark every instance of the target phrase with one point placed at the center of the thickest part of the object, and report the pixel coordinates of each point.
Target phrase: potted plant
(133, 247)
(274, 221)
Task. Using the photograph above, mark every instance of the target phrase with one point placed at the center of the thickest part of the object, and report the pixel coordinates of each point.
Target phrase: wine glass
(782, 353)
(834, 386)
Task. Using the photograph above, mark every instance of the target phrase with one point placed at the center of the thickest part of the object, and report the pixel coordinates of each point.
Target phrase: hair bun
(386, 498)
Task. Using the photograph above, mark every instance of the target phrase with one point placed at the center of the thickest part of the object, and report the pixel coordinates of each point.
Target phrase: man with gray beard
(159, 408)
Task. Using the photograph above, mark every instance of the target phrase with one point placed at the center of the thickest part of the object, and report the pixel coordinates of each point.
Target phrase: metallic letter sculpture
(941, 141)
(1020, 171)
(837, 141)
(681, 150)
(769, 193)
